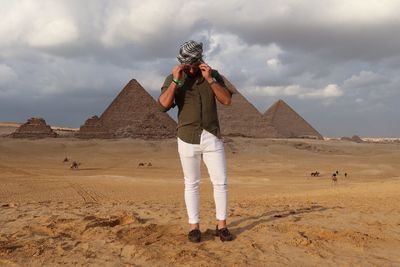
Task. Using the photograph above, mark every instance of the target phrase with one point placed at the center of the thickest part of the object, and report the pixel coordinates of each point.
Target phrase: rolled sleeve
(165, 86)
(220, 80)
(162, 108)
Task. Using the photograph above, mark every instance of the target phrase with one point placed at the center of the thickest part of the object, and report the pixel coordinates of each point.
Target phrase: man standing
(193, 87)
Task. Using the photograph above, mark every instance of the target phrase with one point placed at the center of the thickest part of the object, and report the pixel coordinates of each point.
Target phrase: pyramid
(133, 113)
(288, 123)
(34, 128)
(241, 118)
(93, 129)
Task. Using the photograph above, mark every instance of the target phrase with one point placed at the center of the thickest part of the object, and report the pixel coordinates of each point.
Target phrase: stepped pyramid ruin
(241, 118)
(133, 113)
(288, 123)
(34, 128)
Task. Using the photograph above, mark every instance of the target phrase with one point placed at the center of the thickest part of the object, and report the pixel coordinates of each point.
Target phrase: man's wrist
(176, 81)
(211, 81)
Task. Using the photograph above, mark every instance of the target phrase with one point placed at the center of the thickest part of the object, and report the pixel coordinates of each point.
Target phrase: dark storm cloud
(336, 43)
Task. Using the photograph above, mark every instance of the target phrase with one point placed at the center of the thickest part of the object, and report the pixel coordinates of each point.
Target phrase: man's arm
(167, 97)
(221, 92)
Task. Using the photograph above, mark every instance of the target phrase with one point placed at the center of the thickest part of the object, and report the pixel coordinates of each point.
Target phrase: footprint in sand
(113, 221)
(38, 229)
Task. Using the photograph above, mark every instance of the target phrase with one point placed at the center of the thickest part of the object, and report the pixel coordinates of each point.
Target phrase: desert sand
(113, 212)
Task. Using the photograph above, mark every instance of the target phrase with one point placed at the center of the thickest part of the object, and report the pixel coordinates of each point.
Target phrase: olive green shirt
(197, 108)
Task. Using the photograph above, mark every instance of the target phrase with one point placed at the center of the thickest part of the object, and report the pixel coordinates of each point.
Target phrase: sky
(337, 63)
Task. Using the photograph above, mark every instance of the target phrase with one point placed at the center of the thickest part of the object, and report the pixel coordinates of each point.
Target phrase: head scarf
(190, 52)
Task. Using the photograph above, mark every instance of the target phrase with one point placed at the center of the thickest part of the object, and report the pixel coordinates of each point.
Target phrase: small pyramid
(354, 138)
(34, 128)
(288, 123)
(241, 118)
(133, 113)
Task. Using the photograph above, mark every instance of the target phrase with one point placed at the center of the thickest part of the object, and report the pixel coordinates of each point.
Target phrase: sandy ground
(7, 128)
(112, 212)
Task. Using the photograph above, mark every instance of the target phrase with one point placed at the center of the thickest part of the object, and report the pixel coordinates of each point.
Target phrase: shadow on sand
(88, 169)
(269, 216)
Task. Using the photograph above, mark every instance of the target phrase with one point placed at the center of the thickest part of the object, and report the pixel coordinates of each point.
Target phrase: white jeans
(212, 150)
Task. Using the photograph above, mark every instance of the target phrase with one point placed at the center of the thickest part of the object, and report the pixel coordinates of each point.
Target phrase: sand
(113, 212)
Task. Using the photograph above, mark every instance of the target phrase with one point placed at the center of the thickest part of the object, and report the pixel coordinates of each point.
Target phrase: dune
(113, 212)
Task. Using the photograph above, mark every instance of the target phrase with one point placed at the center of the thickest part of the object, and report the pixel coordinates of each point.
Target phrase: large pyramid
(241, 118)
(133, 113)
(288, 123)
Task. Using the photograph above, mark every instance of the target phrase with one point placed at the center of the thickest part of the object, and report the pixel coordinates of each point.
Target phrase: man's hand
(221, 93)
(166, 99)
(206, 72)
(177, 71)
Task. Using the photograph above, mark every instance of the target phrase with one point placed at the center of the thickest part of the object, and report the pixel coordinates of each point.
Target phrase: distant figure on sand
(345, 175)
(142, 164)
(334, 178)
(66, 160)
(316, 173)
(194, 86)
(75, 165)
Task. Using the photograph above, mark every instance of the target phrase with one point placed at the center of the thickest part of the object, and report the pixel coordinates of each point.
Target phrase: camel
(75, 165)
(316, 173)
(142, 164)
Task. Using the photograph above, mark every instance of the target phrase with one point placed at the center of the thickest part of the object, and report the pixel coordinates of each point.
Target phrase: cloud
(134, 22)
(242, 63)
(7, 76)
(339, 30)
(277, 90)
(274, 64)
(358, 11)
(330, 91)
(373, 89)
(39, 24)
(363, 79)
(52, 33)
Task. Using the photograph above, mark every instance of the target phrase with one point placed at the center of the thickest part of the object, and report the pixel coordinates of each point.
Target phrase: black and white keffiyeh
(190, 52)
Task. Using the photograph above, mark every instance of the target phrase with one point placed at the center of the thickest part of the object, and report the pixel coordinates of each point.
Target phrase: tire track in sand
(87, 195)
